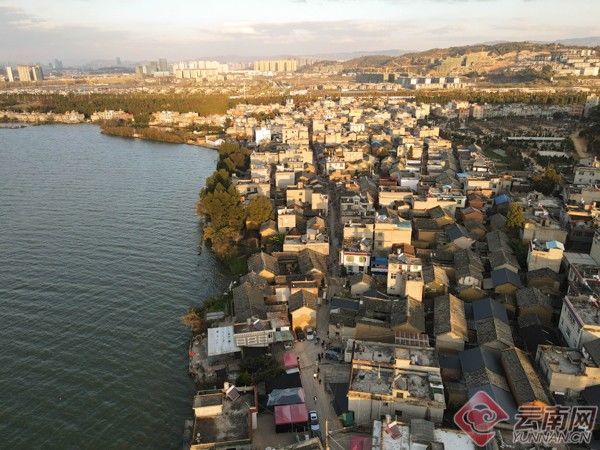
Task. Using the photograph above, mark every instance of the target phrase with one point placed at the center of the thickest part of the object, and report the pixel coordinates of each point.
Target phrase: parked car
(299, 334)
(310, 334)
(332, 355)
(313, 420)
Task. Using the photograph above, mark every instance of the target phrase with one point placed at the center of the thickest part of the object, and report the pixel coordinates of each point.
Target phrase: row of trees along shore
(143, 104)
(227, 218)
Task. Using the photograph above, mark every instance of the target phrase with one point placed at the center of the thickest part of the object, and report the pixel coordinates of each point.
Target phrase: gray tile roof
(497, 240)
(302, 298)
(309, 261)
(532, 296)
(497, 221)
(249, 301)
(467, 257)
(492, 330)
(522, 378)
(433, 273)
(449, 315)
(504, 276)
(360, 278)
(263, 261)
(501, 257)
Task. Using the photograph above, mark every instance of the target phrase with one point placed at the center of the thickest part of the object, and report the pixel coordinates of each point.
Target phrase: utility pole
(326, 434)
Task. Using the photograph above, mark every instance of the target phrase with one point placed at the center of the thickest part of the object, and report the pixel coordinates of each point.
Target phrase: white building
(262, 135)
(580, 320)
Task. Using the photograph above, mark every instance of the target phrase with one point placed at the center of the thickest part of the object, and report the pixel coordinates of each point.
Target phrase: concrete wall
(368, 409)
(448, 342)
(388, 234)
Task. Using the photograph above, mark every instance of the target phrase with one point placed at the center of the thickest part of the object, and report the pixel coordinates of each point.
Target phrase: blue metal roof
(501, 198)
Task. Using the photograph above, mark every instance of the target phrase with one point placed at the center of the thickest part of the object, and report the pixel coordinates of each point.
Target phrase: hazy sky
(83, 30)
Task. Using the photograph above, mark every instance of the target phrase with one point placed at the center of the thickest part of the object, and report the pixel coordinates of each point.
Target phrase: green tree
(218, 177)
(546, 181)
(515, 218)
(244, 379)
(261, 367)
(225, 214)
(259, 210)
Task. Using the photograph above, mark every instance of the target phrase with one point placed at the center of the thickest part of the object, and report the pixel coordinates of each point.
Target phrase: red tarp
(360, 443)
(288, 414)
(290, 360)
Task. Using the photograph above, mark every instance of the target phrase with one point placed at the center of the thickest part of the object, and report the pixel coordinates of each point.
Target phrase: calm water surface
(98, 260)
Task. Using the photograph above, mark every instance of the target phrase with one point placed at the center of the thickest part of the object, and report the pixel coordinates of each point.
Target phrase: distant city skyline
(78, 31)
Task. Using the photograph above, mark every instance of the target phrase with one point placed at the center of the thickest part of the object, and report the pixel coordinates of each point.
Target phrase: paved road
(307, 352)
(580, 145)
(334, 228)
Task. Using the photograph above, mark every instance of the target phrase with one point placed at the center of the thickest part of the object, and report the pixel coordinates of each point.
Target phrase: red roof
(290, 360)
(288, 414)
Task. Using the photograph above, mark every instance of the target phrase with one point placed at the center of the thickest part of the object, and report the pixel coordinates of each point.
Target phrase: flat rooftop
(582, 259)
(201, 400)
(587, 308)
(372, 379)
(378, 380)
(403, 258)
(399, 437)
(231, 425)
(394, 354)
(255, 325)
(564, 360)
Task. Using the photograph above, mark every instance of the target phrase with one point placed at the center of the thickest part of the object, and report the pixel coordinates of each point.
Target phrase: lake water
(99, 258)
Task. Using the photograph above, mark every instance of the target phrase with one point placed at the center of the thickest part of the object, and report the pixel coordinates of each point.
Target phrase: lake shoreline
(134, 135)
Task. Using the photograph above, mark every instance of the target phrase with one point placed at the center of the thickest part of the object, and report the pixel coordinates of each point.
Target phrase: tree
(546, 181)
(514, 218)
(259, 210)
(232, 157)
(225, 213)
(243, 379)
(261, 367)
(218, 177)
(193, 320)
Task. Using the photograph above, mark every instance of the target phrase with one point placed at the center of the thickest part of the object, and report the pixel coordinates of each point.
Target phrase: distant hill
(344, 56)
(591, 41)
(478, 59)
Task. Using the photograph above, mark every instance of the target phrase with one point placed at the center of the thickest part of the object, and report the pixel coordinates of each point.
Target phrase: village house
(545, 254)
(401, 381)
(450, 325)
(405, 276)
(302, 306)
(579, 320)
(566, 370)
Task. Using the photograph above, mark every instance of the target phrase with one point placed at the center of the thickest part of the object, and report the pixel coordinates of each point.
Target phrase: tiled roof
(524, 382)
(449, 315)
(532, 296)
(493, 330)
